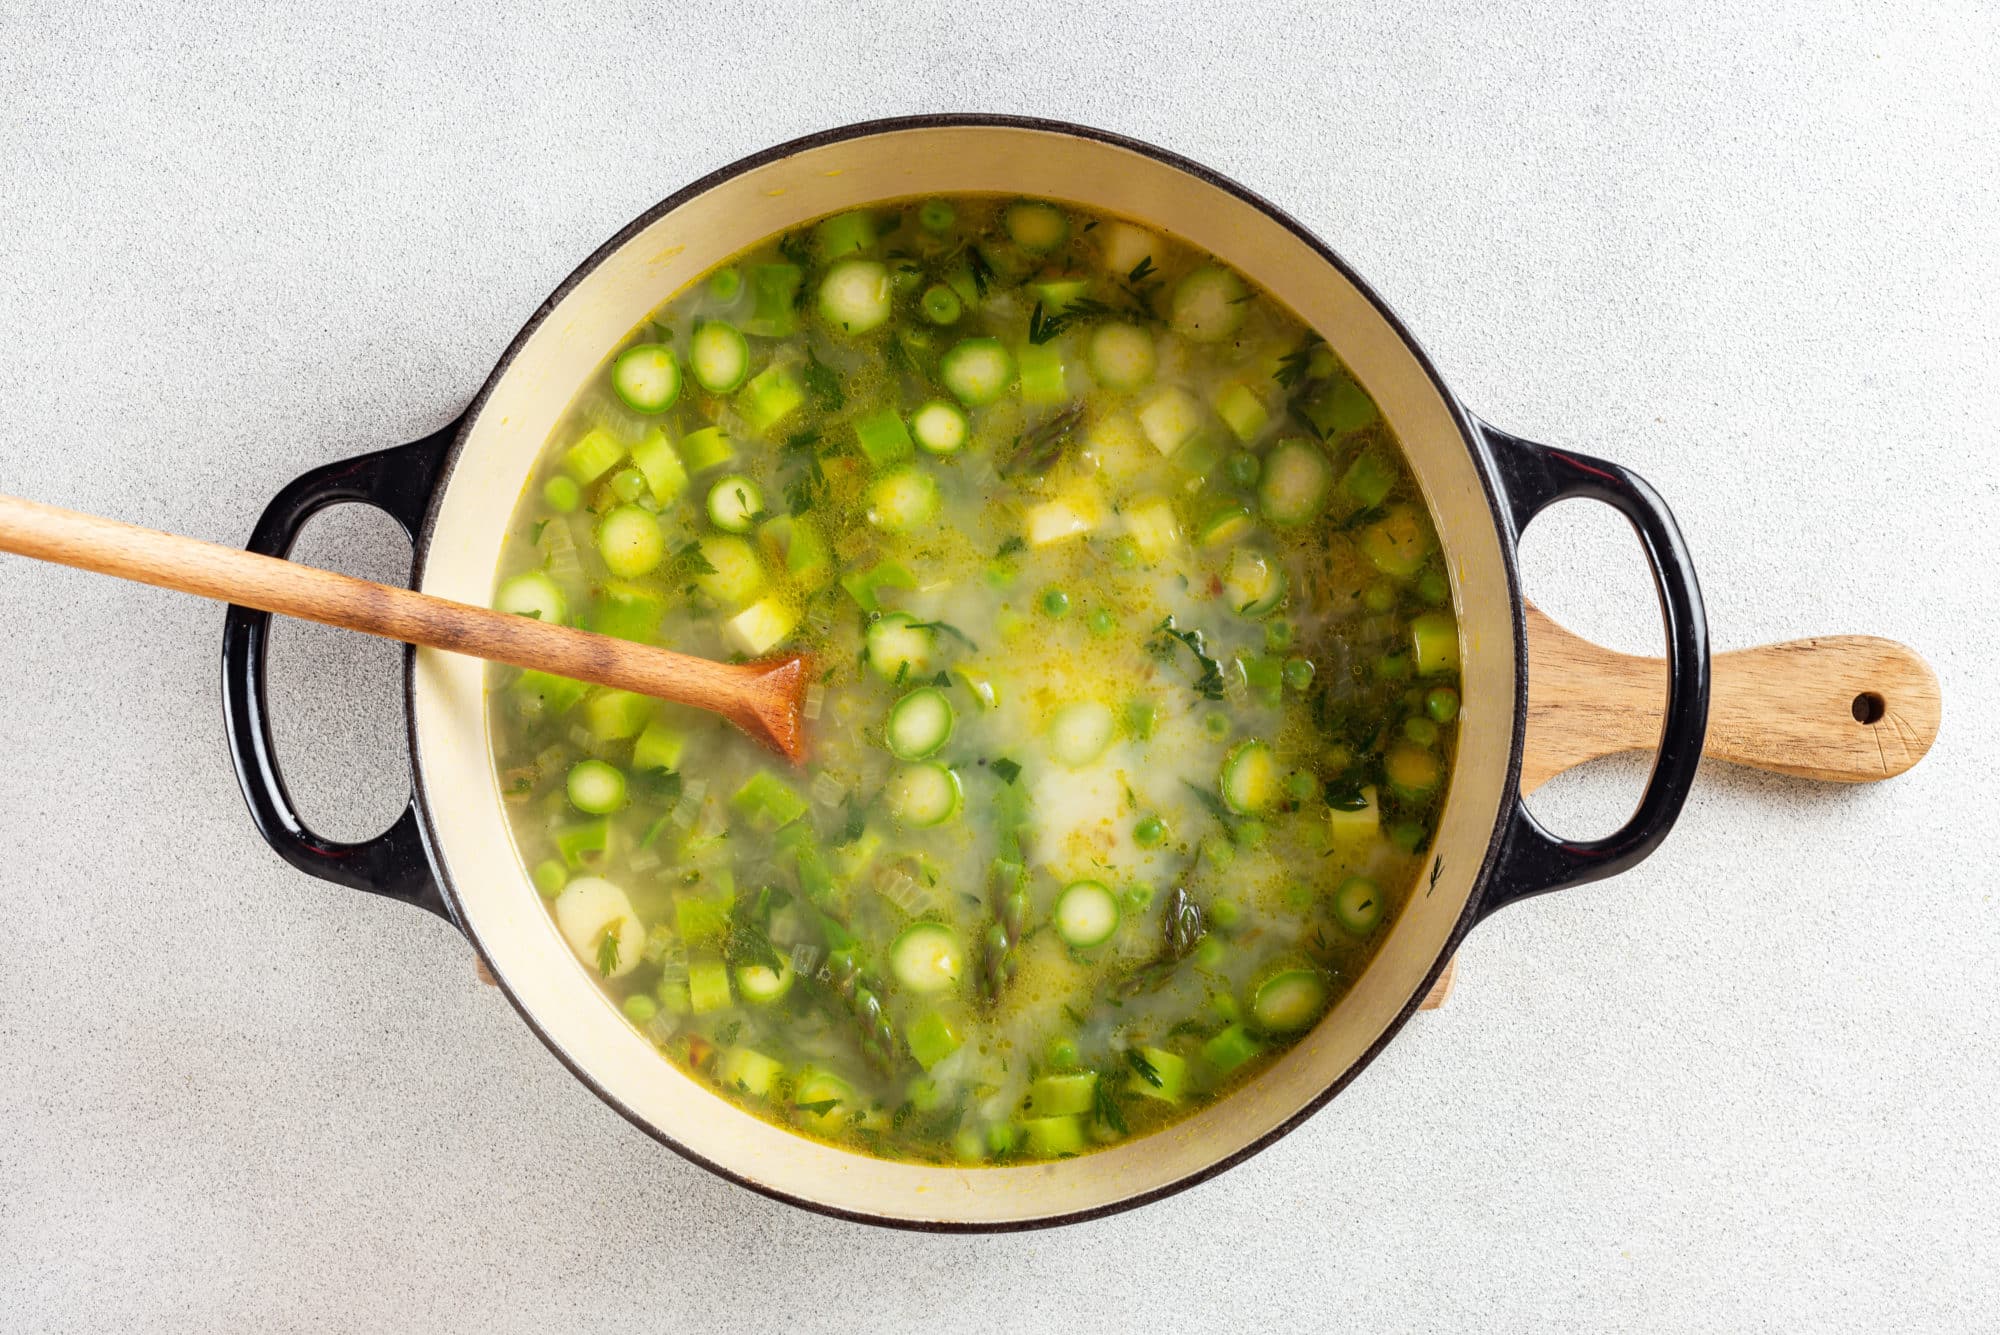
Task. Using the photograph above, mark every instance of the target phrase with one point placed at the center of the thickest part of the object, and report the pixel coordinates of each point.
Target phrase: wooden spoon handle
(739, 692)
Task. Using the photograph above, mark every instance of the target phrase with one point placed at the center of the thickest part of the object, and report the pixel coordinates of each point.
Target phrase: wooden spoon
(763, 699)
(1838, 708)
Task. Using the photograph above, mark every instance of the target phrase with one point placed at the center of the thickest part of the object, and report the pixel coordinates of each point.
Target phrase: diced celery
(1339, 407)
(1368, 479)
(865, 586)
(1059, 294)
(844, 234)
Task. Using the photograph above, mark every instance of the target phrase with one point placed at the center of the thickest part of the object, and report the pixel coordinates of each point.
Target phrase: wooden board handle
(1840, 708)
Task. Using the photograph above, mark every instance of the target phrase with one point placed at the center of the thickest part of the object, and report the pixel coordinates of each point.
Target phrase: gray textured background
(1745, 247)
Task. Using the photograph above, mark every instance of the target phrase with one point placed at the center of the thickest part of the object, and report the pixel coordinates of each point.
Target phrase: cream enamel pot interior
(456, 490)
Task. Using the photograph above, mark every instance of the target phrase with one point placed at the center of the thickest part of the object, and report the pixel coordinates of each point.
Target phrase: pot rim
(1470, 434)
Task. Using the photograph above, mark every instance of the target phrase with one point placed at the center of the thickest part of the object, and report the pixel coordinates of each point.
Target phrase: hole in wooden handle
(1869, 707)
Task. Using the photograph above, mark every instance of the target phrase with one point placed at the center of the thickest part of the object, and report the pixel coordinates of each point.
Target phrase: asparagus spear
(1009, 890)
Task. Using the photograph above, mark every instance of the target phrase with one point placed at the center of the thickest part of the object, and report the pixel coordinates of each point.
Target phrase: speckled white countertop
(1746, 248)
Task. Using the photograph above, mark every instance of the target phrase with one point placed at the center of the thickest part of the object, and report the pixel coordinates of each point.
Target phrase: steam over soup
(1136, 679)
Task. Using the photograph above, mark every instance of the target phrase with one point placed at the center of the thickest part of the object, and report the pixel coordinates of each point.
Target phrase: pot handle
(1532, 860)
(392, 863)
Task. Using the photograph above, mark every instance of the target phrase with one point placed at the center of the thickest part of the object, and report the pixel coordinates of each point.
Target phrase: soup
(1135, 679)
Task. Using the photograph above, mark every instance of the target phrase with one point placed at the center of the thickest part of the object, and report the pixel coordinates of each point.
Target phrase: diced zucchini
(1170, 417)
(977, 371)
(592, 456)
(1340, 406)
(612, 715)
(1043, 380)
(706, 448)
(1154, 529)
(547, 694)
(884, 438)
(1230, 1049)
(1434, 642)
(774, 290)
(932, 1038)
(660, 746)
(660, 464)
(748, 1071)
(844, 234)
(763, 625)
(1242, 410)
(772, 395)
(1357, 828)
(1168, 1081)
(1058, 520)
(628, 612)
(1369, 479)
(708, 983)
(1054, 1137)
(1063, 1095)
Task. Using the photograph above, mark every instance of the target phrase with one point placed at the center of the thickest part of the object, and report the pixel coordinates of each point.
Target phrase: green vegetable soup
(1135, 679)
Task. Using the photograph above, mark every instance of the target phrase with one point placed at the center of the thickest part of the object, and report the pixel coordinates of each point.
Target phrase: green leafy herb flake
(1007, 770)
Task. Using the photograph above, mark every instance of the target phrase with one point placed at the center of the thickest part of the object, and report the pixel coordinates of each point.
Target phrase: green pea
(640, 1008)
(1242, 468)
(1102, 622)
(1209, 953)
(1139, 894)
(550, 877)
(1126, 553)
(1407, 835)
(1251, 833)
(1277, 636)
(923, 1094)
(1420, 730)
(1149, 832)
(1433, 587)
(1298, 673)
(1442, 704)
(1303, 787)
(1225, 913)
(1055, 603)
(1379, 596)
(1219, 852)
(1062, 1053)
(1216, 725)
(628, 484)
(562, 494)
